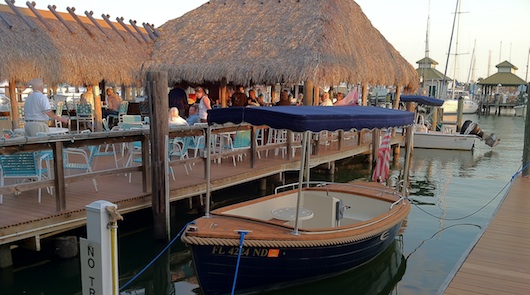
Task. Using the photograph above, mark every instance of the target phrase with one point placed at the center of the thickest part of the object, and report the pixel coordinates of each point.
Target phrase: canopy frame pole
(303, 163)
(208, 168)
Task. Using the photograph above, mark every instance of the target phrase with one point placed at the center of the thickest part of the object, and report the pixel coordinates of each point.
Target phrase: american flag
(382, 167)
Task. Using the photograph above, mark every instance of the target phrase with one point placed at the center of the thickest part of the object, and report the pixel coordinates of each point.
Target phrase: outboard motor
(470, 127)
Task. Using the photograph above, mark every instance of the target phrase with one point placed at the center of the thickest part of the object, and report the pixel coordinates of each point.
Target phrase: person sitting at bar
(193, 118)
(175, 119)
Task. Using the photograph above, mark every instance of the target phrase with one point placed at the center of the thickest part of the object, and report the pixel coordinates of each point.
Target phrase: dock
(25, 222)
(499, 261)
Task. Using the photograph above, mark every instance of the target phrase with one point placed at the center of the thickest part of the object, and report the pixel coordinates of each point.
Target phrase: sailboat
(451, 105)
(303, 232)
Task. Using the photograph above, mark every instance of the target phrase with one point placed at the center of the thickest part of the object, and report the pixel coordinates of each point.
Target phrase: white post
(98, 252)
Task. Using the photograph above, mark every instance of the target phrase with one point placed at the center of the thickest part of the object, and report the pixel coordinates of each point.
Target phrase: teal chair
(122, 110)
(84, 115)
(241, 141)
(22, 166)
(78, 159)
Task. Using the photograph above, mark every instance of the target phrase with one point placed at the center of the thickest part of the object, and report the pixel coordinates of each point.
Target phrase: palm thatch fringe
(58, 56)
(259, 41)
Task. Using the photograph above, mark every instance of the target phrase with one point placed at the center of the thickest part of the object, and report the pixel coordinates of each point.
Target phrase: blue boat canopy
(313, 118)
(420, 99)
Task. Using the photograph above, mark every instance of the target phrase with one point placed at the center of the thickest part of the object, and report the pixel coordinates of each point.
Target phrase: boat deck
(499, 263)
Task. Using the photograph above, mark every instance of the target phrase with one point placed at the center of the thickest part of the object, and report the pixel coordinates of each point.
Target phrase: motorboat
(446, 138)
(450, 106)
(305, 231)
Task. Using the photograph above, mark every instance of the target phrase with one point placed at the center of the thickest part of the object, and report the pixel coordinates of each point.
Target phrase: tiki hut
(67, 48)
(291, 41)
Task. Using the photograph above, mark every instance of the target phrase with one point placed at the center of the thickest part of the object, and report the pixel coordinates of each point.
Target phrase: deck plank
(499, 263)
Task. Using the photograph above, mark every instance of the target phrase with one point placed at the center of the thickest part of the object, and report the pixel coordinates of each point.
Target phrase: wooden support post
(146, 164)
(253, 146)
(60, 193)
(376, 134)
(308, 93)
(157, 83)
(6, 259)
(364, 97)
(459, 112)
(15, 116)
(397, 97)
(222, 93)
(526, 147)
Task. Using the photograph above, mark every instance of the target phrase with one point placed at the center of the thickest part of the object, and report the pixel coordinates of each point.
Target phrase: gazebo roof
(504, 76)
(65, 51)
(255, 41)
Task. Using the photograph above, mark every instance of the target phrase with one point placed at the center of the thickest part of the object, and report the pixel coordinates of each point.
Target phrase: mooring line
(157, 256)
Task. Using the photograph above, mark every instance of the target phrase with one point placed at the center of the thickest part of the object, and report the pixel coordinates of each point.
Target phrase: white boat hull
(444, 141)
(520, 110)
(451, 106)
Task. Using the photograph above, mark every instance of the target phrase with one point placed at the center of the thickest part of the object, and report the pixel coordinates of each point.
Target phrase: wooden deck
(22, 217)
(499, 263)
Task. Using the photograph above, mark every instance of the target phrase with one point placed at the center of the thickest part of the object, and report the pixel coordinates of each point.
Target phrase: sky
(493, 30)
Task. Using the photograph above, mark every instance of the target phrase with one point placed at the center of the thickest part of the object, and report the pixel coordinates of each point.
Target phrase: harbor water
(454, 194)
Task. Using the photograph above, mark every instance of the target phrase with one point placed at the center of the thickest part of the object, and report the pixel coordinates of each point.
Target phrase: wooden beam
(133, 24)
(11, 4)
(95, 22)
(106, 18)
(148, 30)
(78, 20)
(60, 18)
(120, 21)
(9, 25)
(31, 6)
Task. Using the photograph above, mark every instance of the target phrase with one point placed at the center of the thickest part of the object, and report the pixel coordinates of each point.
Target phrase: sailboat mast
(456, 51)
(527, 60)
(428, 29)
(444, 83)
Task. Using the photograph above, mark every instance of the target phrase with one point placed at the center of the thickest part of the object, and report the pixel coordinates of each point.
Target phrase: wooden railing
(57, 143)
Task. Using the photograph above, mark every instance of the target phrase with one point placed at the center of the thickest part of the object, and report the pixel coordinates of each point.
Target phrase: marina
(112, 191)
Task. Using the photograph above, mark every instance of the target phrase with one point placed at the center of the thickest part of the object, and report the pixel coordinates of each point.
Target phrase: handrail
(57, 143)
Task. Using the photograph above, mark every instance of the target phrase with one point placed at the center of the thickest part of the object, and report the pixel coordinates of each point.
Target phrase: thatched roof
(48, 49)
(258, 41)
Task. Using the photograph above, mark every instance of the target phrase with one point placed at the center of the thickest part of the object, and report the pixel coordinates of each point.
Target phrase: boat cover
(313, 118)
(420, 99)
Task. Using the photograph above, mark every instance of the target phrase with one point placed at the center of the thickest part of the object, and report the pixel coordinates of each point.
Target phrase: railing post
(60, 193)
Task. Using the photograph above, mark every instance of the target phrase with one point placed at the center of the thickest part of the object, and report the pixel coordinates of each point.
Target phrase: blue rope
(157, 256)
(517, 173)
(241, 240)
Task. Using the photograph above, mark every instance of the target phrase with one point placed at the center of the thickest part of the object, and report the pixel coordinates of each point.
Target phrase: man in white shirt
(37, 110)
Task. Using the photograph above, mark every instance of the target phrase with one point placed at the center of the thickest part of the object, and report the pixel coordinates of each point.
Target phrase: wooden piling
(526, 147)
(157, 84)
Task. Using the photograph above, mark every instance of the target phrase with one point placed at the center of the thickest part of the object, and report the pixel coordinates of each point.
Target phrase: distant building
(431, 80)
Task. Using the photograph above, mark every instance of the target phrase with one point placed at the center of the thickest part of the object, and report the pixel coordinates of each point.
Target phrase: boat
(446, 138)
(302, 232)
(450, 106)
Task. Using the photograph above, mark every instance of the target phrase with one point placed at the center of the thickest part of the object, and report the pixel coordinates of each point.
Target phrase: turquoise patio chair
(78, 159)
(21, 166)
(84, 115)
(122, 110)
